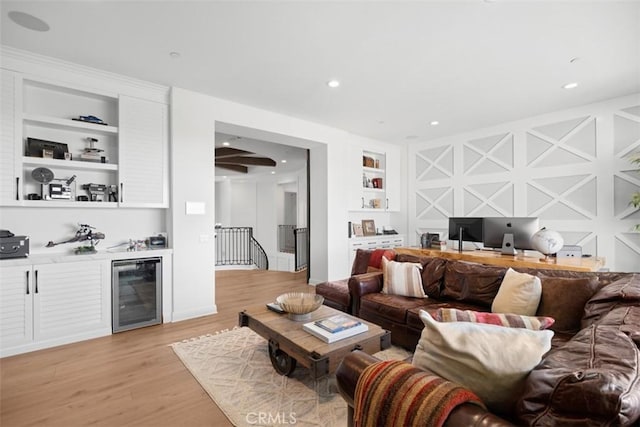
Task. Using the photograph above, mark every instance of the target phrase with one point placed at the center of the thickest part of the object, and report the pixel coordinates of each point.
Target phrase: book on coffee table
(338, 323)
(330, 337)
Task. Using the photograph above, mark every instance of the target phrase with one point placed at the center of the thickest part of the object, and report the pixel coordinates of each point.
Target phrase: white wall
(244, 203)
(194, 121)
(44, 224)
(568, 168)
(223, 203)
(192, 180)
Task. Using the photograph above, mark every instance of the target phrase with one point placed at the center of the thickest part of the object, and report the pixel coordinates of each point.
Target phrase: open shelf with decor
(374, 195)
(110, 145)
(72, 135)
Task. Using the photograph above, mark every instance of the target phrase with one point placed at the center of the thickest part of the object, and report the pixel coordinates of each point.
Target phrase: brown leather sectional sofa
(590, 377)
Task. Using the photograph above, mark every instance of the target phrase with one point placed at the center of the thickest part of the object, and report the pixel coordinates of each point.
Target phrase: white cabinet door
(9, 139)
(393, 181)
(16, 306)
(70, 299)
(143, 156)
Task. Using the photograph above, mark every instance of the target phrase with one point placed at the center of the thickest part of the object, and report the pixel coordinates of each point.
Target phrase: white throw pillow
(402, 278)
(519, 293)
(490, 360)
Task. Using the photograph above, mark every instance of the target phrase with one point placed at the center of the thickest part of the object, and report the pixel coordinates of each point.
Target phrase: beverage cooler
(136, 293)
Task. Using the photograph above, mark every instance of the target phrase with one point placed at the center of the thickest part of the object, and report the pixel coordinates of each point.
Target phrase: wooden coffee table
(289, 344)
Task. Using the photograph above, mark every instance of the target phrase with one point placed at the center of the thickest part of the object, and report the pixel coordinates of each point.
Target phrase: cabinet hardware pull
(121, 191)
(36, 279)
(362, 202)
(27, 281)
(387, 204)
(17, 188)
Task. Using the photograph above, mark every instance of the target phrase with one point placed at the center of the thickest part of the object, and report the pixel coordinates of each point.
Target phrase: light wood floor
(132, 378)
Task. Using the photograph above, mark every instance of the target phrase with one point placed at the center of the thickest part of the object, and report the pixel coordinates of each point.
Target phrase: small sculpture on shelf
(85, 233)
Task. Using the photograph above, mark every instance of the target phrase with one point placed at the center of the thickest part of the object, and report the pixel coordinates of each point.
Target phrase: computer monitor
(508, 233)
(467, 229)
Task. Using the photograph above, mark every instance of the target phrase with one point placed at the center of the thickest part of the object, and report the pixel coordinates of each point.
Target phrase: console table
(496, 258)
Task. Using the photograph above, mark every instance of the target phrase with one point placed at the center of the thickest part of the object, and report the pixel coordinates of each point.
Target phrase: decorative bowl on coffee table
(300, 305)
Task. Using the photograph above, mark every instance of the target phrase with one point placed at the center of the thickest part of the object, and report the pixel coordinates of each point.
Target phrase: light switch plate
(194, 208)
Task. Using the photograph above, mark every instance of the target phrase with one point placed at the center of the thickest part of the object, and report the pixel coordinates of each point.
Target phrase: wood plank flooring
(132, 378)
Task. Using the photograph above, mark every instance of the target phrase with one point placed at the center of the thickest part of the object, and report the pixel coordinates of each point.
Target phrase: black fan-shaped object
(238, 160)
(42, 175)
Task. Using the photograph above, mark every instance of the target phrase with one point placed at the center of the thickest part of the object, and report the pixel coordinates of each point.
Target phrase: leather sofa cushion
(431, 306)
(564, 299)
(433, 269)
(472, 283)
(592, 380)
(360, 262)
(336, 291)
(622, 292)
(390, 307)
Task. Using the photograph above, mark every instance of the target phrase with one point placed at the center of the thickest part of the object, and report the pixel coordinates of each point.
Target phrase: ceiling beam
(241, 160)
(235, 168)
(229, 152)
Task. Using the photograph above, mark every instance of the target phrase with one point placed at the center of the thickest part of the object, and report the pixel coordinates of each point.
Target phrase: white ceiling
(468, 64)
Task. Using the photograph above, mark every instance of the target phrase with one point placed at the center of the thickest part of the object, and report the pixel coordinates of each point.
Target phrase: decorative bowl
(300, 305)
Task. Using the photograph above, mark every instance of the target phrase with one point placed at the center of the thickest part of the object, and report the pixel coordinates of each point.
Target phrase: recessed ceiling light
(226, 143)
(570, 85)
(273, 172)
(283, 161)
(27, 21)
(174, 55)
(333, 83)
(434, 123)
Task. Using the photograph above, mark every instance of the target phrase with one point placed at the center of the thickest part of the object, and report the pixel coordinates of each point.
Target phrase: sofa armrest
(466, 414)
(362, 284)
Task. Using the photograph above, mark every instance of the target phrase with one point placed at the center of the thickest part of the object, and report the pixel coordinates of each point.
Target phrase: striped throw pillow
(402, 278)
(509, 320)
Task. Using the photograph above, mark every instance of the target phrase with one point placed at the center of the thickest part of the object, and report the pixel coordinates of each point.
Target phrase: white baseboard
(192, 314)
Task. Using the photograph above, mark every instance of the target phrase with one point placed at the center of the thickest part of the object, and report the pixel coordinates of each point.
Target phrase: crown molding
(29, 62)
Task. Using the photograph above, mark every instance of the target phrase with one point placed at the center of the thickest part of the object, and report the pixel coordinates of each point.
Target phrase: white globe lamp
(547, 242)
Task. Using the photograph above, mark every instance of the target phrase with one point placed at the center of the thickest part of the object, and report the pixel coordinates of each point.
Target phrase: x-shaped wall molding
(478, 153)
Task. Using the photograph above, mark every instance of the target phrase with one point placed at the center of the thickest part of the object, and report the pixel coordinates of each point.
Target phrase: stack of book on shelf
(335, 328)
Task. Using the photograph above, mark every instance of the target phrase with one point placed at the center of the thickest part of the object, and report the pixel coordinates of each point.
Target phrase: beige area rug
(235, 370)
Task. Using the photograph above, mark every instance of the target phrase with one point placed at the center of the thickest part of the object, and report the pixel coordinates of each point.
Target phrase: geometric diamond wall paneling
(623, 189)
(489, 199)
(492, 154)
(585, 239)
(434, 203)
(565, 197)
(434, 163)
(627, 251)
(562, 143)
(626, 131)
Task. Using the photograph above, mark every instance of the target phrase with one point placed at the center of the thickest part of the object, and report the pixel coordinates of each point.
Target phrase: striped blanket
(395, 393)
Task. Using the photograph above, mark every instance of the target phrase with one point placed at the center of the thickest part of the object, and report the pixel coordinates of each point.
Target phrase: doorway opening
(261, 193)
